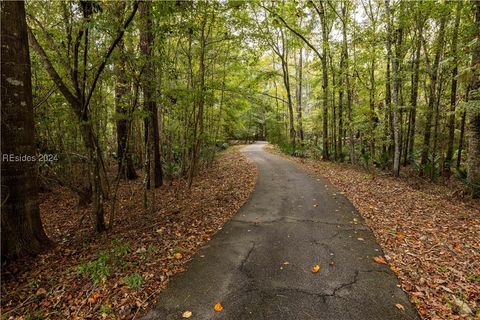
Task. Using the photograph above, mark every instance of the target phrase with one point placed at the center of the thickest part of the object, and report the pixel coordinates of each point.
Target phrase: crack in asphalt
(295, 220)
(245, 259)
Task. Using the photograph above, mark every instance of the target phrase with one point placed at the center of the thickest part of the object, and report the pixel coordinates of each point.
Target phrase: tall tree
(152, 134)
(325, 47)
(432, 101)
(396, 86)
(124, 114)
(414, 86)
(299, 93)
(79, 100)
(473, 159)
(453, 94)
(22, 230)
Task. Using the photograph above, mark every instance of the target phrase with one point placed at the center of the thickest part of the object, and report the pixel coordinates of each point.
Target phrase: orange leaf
(218, 307)
(315, 268)
(400, 307)
(380, 260)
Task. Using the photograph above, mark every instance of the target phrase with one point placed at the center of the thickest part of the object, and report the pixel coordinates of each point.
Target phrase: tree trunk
(348, 86)
(460, 139)
(299, 94)
(388, 108)
(340, 108)
(325, 153)
(432, 100)
(199, 127)
(473, 159)
(124, 157)
(286, 82)
(396, 87)
(414, 89)
(150, 105)
(22, 230)
(453, 96)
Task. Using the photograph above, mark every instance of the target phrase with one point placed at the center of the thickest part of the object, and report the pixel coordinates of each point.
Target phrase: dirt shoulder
(430, 236)
(118, 274)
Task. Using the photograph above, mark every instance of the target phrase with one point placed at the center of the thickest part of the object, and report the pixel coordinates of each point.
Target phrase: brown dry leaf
(41, 292)
(178, 255)
(400, 306)
(216, 194)
(360, 239)
(315, 268)
(400, 236)
(218, 307)
(380, 260)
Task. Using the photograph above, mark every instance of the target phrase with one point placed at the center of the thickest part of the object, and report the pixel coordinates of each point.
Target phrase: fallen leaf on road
(380, 260)
(187, 314)
(360, 239)
(400, 307)
(218, 307)
(315, 268)
(286, 263)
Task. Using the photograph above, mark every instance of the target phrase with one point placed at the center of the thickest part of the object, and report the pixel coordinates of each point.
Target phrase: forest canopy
(155, 88)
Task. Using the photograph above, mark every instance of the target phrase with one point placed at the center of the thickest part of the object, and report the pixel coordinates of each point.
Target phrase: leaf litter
(119, 273)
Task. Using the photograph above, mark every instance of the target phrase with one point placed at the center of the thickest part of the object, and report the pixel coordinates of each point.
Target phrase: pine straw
(430, 235)
(154, 244)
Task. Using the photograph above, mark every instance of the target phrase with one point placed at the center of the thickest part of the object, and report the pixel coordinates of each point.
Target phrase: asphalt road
(258, 265)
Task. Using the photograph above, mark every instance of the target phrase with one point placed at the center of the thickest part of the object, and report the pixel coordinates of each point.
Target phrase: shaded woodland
(158, 87)
(102, 96)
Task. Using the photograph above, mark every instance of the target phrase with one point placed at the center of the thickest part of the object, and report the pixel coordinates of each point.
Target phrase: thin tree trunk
(453, 96)
(325, 153)
(414, 89)
(124, 157)
(396, 87)
(198, 127)
(461, 139)
(432, 100)
(150, 105)
(299, 94)
(473, 159)
(340, 107)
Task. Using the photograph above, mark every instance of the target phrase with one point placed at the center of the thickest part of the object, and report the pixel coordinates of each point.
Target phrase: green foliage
(473, 277)
(383, 161)
(105, 310)
(292, 150)
(133, 281)
(99, 269)
(472, 187)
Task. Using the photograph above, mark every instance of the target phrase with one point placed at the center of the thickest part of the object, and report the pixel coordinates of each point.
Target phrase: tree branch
(71, 98)
(109, 52)
(298, 34)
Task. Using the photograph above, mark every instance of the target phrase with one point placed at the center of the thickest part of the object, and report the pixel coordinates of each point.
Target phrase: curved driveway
(258, 265)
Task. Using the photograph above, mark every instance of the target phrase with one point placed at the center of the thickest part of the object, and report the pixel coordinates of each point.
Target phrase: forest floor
(118, 274)
(430, 234)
